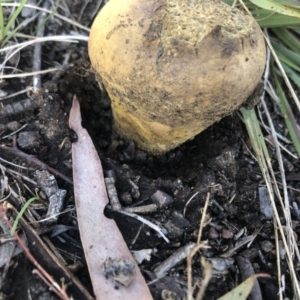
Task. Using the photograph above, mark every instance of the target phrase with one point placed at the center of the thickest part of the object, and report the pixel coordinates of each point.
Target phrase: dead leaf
(101, 238)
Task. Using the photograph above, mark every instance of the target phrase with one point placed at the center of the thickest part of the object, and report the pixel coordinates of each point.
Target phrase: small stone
(213, 233)
(227, 234)
(178, 184)
(265, 203)
(267, 246)
(141, 255)
(113, 146)
(295, 224)
(173, 230)
(161, 198)
(13, 126)
(179, 220)
(29, 140)
(129, 152)
(249, 253)
(221, 265)
(126, 198)
(3, 93)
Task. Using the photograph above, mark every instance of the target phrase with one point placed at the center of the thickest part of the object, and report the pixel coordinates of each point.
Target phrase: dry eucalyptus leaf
(100, 236)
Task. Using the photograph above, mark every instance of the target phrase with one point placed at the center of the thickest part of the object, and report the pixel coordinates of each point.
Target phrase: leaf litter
(219, 214)
(106, 252)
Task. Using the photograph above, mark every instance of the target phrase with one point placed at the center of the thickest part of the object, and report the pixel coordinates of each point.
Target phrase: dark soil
(215, 161)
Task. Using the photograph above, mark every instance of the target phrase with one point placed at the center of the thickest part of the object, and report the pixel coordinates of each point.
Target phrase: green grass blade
(1, 23)
(287, 56)
(14, 16)
(290, 3)
(288, 38)
(268, 18)
(277, 7)
(10, 34)
(288, 115)
(286, 61)
(275, 20)
(292, 74)
(255, 135)
(296, 30)
(22, 211)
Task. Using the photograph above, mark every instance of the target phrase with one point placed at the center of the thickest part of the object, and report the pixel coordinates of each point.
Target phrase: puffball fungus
(174, 67)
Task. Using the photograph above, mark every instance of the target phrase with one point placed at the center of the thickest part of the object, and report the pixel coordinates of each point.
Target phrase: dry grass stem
(267, 178)
(72, 22)
(268, 173)
(189, 271)
(37, 52)
(30, 73)
(146, 222)
(206, 267)
(13, 133)
(188, 202)
(60, 291)
(278, 262)
(207, 273)
(293, 248)
(203, 218)
(279, 65)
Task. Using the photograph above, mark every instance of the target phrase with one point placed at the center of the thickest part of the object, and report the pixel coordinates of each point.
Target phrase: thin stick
(74, 23)
(34, 160)
(61, 292)
(189, 269)
(203, 218)
(37, 53)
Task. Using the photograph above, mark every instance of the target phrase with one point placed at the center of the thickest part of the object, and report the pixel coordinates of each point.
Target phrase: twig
(207, 271)
(116, 205)
(112, 192)
(12, 133)
(61, 292)
(207, 268)
(63, 68)
(15, 94)
(27, 74)
(180, 254)
(189, 271)
(203, 218)
(20, 46)
(246, 270)
(188, 202)
(12, 164)
(37, 53)
(148, 223)
(278, 261)
(144, 209)
(32, 159)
